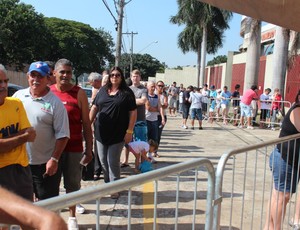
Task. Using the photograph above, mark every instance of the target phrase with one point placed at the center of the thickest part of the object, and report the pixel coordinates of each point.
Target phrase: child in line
(140, 150)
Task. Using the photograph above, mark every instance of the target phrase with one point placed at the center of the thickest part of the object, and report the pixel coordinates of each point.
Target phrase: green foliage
(194, 15)
(147, 64)
(217, 60)
(23, 34)
(88, 49)
(26, 36)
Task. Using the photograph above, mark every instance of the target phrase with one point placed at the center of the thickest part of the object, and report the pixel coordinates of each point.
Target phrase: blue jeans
(285, 176)
(153, 130)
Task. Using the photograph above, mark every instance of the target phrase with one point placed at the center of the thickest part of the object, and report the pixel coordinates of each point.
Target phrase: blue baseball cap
(40, 67)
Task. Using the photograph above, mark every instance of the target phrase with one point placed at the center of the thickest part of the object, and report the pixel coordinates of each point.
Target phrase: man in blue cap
(48, 116)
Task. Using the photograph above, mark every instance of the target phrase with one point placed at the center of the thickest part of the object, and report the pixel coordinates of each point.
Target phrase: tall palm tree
(253, 54)
(204, 29)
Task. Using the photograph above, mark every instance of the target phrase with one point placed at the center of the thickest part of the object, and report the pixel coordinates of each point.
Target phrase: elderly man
(15, 131)
(48, 116)
(75, 101)
(95, 80)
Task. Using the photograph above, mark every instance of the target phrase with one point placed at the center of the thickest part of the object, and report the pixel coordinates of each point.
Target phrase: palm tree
(204, 29)
(253, 54)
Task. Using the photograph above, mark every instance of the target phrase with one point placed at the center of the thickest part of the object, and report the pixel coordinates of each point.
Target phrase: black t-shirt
(287, 149)
(186, 96)
(113, 115)
(236, 101)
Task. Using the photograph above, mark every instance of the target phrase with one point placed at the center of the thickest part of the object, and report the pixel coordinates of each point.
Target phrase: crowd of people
(50, 130)
(214, 104)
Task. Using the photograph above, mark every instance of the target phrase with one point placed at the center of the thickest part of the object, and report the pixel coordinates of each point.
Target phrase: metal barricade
(192, 170)
(244, 185)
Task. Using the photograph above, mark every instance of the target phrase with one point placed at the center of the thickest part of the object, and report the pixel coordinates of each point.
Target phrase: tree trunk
(198, 65)
(253, 54)
(280, 56)
(203, 54)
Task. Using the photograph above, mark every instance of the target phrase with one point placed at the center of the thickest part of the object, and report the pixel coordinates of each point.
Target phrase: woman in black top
(115, 108)
(284, 164)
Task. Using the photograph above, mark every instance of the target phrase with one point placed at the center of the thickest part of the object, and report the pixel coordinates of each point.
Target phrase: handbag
(279, 115)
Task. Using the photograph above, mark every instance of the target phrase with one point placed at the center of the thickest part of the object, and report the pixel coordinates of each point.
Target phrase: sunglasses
(5, 81)
(115, 75)
(161, 86)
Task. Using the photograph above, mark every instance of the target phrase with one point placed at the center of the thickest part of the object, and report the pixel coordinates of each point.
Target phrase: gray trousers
(109, 156)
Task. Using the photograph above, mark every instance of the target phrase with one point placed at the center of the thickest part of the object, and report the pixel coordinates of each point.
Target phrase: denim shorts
(285, 178)
(245, 110)
(196, 114)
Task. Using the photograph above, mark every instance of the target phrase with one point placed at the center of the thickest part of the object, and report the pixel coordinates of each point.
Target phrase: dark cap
(212, 87)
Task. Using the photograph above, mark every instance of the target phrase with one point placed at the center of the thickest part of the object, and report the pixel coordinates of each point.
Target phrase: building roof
(278, 12)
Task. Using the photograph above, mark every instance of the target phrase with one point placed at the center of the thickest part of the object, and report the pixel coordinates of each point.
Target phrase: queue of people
(45, 125)
(215, 105)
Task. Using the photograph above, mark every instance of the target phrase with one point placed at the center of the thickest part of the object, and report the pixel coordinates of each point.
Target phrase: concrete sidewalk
(177, 145)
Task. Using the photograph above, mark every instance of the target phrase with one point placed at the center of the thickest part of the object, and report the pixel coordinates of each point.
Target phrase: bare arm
(132, 120)
(51, 166)
(8, 144)
(141, 101)
(16, 210)
(86, 123)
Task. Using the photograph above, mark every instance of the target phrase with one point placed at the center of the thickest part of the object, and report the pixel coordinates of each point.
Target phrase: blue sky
(148, 18)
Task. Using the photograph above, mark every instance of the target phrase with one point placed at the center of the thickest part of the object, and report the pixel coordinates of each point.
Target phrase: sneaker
(192, 128)
(250, 127)
(80, 209)
(184, 127)
(200, 128)
(273, 129)
(241, 126)
(72, 223)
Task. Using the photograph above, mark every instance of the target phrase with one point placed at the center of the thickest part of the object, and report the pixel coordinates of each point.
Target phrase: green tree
(88, 49)
(147, 64)
(204, 29)
(217, 60)
(23, 34)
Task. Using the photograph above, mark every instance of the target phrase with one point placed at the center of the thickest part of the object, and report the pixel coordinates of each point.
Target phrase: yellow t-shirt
(13, 118)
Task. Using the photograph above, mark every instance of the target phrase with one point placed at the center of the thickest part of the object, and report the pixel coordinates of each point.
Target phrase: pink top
(248, 96)
(276, 101)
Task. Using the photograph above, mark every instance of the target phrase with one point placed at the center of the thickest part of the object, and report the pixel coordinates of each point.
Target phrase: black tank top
(287, 148)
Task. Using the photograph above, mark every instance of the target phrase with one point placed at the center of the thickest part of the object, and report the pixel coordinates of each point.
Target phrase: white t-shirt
(263, 104)
(139, 146)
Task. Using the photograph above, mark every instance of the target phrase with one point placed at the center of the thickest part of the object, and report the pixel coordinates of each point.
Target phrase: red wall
(293, 81)
(238, 74)
(216, 76)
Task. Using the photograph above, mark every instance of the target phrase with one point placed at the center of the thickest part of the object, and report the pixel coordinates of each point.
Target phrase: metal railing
(243, 180)
(100, 191)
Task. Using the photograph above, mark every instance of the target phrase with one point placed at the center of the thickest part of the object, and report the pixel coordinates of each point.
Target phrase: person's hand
(51, 168)
(31, 134)
(86, 158)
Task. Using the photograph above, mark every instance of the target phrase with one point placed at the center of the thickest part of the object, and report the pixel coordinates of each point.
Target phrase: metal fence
(233, 196)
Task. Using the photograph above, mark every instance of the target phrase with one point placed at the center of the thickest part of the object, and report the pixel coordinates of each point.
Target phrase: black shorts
(18, 180)
(185, 111)
(45, 187)
(264, 113)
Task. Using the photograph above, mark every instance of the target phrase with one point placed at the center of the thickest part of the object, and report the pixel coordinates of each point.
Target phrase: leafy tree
(147, 64)
(88, 49)
(218, 60)
(23, 34)
(204, 29)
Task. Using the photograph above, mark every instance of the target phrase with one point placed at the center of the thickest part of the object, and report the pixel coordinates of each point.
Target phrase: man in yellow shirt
(15, 131)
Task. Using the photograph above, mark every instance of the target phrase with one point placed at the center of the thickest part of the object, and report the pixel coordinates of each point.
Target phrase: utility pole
(131, 50)
(119, 32)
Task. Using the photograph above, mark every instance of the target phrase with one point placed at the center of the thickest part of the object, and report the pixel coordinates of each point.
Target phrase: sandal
(123, 165)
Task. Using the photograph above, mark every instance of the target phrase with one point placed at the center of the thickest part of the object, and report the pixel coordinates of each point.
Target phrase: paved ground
(177, 145)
